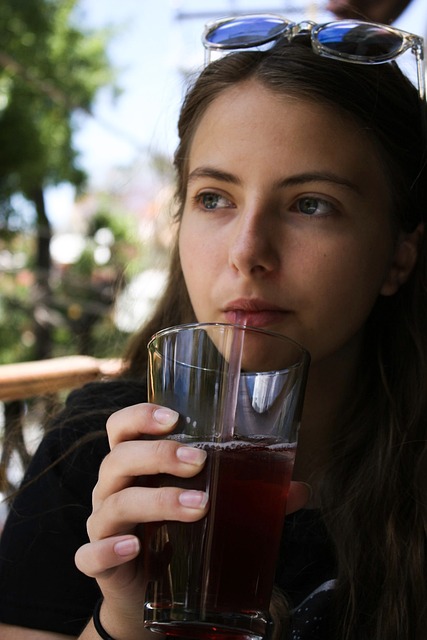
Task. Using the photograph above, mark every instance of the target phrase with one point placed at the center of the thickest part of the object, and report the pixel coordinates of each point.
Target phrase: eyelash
(198, 200)
(296, 206)
(320, 203)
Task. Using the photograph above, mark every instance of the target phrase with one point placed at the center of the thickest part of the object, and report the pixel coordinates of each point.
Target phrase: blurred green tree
(50, 72)
(86, 290)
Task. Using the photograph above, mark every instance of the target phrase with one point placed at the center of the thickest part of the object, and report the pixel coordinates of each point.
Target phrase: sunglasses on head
(348, 40)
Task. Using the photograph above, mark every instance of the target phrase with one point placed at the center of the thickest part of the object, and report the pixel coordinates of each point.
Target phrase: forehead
(250, 122)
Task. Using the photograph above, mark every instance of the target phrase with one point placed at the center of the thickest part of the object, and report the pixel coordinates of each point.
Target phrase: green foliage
(49, 71)
(80, 308)
(85, 291)
(121, 226)
(16, 338)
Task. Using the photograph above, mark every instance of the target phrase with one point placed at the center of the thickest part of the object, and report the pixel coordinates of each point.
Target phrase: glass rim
(175, 329)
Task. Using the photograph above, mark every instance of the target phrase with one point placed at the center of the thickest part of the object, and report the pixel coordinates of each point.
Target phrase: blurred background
(89, 98)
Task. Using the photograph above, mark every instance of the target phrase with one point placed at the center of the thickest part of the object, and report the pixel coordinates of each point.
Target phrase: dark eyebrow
(318, 176)
(211, 172)
(299, 179)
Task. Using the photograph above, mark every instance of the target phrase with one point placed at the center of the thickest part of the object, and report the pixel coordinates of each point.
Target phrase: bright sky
(151, 46)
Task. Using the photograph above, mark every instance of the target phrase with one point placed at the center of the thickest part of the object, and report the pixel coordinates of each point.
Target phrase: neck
(329, 390)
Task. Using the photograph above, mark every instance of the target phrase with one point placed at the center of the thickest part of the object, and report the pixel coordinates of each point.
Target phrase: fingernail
(126, 547)
(165, 417)
(191, 455)
(193, 499)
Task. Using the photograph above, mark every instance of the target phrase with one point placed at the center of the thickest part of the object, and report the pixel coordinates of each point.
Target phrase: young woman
(302, 191)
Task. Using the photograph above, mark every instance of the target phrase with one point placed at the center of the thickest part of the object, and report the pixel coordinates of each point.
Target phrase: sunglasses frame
(290, 30)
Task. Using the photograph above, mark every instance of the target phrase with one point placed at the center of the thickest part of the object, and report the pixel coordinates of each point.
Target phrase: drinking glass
(239, 393)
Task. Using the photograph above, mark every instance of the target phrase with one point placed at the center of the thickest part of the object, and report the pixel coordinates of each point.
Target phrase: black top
(41, 588)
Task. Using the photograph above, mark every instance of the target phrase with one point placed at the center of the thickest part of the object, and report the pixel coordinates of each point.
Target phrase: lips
(254, 312)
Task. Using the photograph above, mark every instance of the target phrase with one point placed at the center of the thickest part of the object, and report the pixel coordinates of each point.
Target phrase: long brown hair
(374, 498)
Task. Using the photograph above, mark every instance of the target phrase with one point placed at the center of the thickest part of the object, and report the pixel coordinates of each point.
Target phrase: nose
(253, 247)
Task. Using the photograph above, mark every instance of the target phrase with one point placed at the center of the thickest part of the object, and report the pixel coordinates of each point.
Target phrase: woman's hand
(121, 504)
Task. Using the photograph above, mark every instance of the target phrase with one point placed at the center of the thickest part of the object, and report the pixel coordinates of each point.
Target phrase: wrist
(107, 627)
(99, 628)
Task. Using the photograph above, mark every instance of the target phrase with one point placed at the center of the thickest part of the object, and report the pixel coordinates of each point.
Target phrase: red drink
(221, 569)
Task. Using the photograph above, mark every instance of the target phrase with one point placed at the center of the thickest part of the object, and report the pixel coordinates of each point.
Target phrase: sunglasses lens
(248, 31)
(359, 40)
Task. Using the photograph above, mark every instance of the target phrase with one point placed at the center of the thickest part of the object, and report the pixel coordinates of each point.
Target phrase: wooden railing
(29, 379)
(41, 379)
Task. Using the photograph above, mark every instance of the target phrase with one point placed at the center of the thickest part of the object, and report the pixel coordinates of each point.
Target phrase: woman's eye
(212, 201)
(311, 206)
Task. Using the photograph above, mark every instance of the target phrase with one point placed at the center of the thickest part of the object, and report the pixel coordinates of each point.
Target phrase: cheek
(187, 256)
(198, 262)
(344, 287)
(355, 264)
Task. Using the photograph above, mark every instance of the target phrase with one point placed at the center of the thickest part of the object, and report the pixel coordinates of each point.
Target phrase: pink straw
(234, 368)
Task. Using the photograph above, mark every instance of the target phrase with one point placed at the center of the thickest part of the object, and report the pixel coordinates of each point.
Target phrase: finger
(96, 559)
(121, 512)
(144, 418)
(298, 496)
(129, 460)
